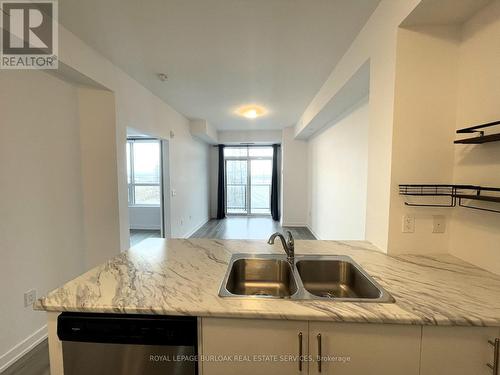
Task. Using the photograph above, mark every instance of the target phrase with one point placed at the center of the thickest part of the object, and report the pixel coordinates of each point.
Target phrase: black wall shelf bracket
(481, 138)
(458, 194)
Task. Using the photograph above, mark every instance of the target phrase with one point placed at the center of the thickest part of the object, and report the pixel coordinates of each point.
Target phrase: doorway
(248, 180)
(146, 177)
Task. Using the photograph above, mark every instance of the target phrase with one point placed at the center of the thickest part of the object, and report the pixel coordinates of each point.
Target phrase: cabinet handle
(300, 351)
(496, 347)
(319, 351)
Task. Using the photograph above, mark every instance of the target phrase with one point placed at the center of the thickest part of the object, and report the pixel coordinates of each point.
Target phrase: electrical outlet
(408, 224)
(174, 193)
(438, 224)
(29, 298)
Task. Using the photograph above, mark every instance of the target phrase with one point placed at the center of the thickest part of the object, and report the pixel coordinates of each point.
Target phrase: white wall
(99, 175)
(293, 180)
(338, 165)
(256, 136)
(447, 79)
(142, 217)
(41, 200)
(424, 127)
(138, 108)
(475, 235)
(376, 42)
(56, 219)
(204, 131)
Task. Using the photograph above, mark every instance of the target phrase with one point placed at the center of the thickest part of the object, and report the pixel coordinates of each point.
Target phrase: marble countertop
(182, 277)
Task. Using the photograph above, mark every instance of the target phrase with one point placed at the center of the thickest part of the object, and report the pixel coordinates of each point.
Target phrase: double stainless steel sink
(311, 277)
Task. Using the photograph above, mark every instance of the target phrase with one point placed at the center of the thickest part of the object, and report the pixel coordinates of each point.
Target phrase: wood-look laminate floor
(248, 228)
(35, 362)
(138, 235)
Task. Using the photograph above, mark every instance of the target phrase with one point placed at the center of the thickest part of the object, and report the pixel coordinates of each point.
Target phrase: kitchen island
(182, 277)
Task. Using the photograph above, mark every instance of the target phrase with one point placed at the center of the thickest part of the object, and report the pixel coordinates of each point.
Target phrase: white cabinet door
(457, 350)
(375, 349)
(251, 346)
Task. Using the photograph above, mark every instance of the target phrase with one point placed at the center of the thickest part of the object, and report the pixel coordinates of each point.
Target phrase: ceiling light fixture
(251, 111)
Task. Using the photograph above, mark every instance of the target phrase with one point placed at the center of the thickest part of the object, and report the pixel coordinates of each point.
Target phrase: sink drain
(260, 293)
(328, 295)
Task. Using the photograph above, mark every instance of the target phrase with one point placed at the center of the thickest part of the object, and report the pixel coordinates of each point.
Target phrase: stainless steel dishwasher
(110, 344)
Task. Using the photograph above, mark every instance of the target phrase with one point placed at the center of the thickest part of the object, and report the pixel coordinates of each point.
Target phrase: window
(236, 186)
(143, 172)
(248, 180)
(235, 152)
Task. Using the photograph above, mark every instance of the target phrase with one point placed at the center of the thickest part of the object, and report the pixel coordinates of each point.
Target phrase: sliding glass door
(248, 180)
(260, 186)
(237, 187)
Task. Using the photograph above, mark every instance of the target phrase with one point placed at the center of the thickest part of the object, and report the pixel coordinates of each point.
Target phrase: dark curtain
(275, 212)
(221, 194)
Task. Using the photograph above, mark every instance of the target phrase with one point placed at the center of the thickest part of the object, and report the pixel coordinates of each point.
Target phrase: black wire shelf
(481, 137)
(461, 195)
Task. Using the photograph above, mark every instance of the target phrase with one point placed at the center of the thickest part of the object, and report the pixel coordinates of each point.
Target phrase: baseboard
(145, 227)
(189, 234)
(313, 233)
(9, 358)
(294, 225)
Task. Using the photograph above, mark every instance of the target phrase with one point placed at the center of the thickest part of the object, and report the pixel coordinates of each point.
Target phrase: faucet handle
(290, 240)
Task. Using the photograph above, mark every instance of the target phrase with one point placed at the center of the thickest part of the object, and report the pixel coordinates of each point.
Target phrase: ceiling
(221, 54)
(443, 12)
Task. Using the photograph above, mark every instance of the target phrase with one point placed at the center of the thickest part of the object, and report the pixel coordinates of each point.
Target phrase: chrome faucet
(288, 245)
